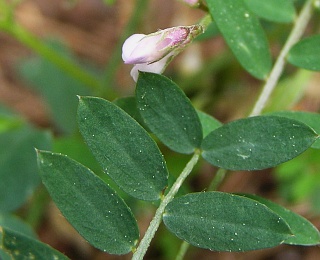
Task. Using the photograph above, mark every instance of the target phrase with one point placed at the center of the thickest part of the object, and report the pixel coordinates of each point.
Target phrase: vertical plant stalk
(154, 224)
(50, 54)
(115, 59)
(183, 250)
(217, 180)
(296, 33)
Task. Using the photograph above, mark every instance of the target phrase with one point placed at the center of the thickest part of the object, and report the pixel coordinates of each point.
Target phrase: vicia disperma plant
(124, 139)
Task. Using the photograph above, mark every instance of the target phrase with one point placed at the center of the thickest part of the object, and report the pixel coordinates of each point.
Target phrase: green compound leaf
(257, 142)
(308, 118)
(281, 11)
(168, 113)
(304, 232)
(224, 222)
(244, 35)
(89, 204)
(306, 53)
(123, 148)
(18, 246)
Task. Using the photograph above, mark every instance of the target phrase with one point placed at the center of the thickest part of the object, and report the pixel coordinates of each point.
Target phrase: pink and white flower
(153, 52)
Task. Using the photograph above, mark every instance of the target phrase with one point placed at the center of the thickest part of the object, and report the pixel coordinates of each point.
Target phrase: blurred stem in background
(104, 86)
(115, 60)
(273, 78)
(9, 26)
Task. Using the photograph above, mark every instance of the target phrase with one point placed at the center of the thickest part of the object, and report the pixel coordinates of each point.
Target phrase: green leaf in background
(9, 120)
(224, 222)
(257, 142)
(299, 179)
(23, 247)
(310, 119)
(14, 223)
(123, 148)
(58, 88)
(281, 11)
(8, 123)
(244, 35)
(109, 2)
(18, 170)
(168, 113)
(289, 91)
(4, 255)
(306, 53)
(208, 123)
(304, 232)
(74, 147)
(89, 204)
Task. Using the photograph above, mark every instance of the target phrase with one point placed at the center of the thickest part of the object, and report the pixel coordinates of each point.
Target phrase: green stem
(183, 250)
(296, 33)
(217, 180)
(205, 21)
(115, 59)
(50, 54)
(145, 242)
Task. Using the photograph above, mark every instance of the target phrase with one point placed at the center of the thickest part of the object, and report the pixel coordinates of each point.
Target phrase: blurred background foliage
(52, 51)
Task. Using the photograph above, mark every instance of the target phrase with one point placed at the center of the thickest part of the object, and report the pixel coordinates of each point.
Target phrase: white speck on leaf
(243, 156)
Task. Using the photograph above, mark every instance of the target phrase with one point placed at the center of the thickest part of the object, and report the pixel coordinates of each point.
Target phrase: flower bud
(153, 52)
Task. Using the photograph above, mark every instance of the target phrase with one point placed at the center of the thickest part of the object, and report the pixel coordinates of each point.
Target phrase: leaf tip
(38, 152)
(80, 98)
(83, 98)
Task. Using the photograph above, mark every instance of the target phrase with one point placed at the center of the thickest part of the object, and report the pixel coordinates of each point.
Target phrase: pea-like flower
(153, 52)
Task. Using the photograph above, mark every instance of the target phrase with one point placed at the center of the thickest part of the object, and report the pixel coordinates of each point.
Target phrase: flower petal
(128, 47)
(147, 50)
(152, 52)
(155, 67)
